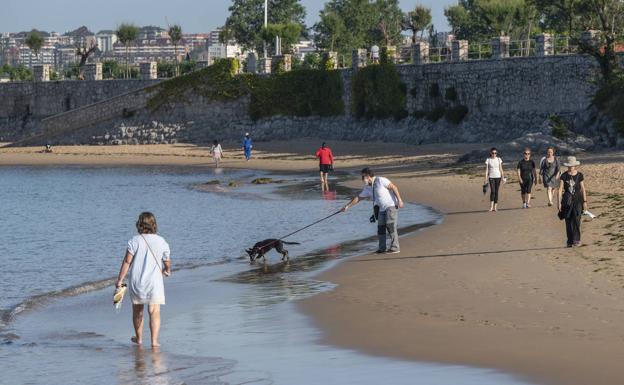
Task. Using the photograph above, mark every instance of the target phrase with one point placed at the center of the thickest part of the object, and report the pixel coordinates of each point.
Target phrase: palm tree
(34, 41)
(175, 34)
(127, 33)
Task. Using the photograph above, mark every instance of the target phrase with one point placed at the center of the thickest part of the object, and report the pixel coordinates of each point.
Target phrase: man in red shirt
(326, 164)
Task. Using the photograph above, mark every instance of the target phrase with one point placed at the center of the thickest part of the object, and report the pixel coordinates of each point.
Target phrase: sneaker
(524, 206)
(550, 204)
(380, 251)
(393, 251)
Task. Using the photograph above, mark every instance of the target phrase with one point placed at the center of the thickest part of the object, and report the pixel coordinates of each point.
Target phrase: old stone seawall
(506, 98)
(24, 104)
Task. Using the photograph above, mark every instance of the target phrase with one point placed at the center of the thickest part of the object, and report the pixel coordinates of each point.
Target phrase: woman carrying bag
(146, 261)
(572, 200)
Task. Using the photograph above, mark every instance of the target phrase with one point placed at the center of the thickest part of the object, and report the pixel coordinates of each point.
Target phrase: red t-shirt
(325, 155)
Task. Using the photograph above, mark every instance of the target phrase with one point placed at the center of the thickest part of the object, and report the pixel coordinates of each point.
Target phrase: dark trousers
(573, 229)
(494, 186)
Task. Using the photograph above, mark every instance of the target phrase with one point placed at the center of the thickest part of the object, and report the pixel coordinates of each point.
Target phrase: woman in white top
(217, 152)
(145, 263)
(493, 175)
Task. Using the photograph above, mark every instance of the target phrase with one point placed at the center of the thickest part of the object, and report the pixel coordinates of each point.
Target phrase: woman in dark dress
(572, 200)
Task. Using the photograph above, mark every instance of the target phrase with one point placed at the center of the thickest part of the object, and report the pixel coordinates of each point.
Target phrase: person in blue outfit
(247, 146)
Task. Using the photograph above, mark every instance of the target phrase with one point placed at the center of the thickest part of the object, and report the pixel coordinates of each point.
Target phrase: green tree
(246, 21)
(560, 16)
(387, 30)
(127, 33)
(289, 34)
(19, 73)
(606, 17)
(479, 20)
(417, 20)
(345, 25)
(330, 29)
(175, 34)
(34, 41)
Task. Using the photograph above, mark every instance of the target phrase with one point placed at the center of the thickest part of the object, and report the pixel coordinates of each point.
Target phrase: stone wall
(506, 98)
(24, 104)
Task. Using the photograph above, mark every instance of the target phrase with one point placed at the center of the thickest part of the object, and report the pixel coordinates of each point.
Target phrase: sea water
(63, 234)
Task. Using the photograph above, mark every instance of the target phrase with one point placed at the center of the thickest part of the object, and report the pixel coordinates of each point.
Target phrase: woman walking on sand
(572, 200)
(493, 176)
(326, 164)
(145, 263)
(527, 177)
(550, 173)
(217, 152)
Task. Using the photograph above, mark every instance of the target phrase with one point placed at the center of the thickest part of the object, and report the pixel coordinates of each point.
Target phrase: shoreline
(497, 304)
(541, 312)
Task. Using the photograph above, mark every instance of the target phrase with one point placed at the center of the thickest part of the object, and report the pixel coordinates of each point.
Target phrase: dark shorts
(526, 187)
(325, 168)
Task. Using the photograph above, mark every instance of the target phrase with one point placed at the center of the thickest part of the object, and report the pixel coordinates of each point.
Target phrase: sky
(193, 15)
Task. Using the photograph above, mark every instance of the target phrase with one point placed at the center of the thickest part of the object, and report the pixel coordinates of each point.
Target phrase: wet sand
(487, 289)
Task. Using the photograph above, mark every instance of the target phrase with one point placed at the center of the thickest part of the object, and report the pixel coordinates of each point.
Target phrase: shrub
(436, 114)
(456, 114)
(451, 94)
(419, 114)
(378, 93)
(434, 90)
(610, 99)
(297, 93)
(559, 126)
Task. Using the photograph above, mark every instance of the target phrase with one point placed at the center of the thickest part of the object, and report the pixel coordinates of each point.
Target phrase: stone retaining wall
(505, 99)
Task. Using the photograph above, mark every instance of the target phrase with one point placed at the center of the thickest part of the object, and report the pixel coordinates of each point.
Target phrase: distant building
(155, 50)
(304, 47)
(219, 50)
(65, 56)
(196, 41)
(28, 57)
(106, 40)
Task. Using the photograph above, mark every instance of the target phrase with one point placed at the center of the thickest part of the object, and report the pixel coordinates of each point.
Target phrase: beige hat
(571, 162)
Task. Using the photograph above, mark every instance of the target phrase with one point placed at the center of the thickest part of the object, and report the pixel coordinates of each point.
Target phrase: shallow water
(225, 322)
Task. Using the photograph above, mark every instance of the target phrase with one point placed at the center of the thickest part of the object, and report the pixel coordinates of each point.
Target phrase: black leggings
(494, 186)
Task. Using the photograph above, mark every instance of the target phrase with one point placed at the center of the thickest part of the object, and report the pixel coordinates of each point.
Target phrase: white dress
(145, 279)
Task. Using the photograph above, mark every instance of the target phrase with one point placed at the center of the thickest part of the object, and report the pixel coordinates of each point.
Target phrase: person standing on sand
(572, 200)
(247, 146)
(146, 261)
(493, 175)
(217, 152)
(386, 203)
(326, 164)
(550, 173)
(527, 177)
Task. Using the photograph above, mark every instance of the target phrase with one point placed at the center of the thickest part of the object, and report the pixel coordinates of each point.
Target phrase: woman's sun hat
(571, 162)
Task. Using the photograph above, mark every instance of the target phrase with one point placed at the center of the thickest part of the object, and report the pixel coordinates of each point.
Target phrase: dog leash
(303, 228)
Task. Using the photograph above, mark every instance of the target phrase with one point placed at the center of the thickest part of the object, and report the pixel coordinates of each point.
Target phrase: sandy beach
(496, 290)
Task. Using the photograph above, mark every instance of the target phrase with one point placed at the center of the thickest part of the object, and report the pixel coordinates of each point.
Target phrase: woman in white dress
(145, 263)
(217, 152)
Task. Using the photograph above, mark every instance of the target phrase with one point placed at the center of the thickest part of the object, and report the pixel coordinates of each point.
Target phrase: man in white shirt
(386, 203)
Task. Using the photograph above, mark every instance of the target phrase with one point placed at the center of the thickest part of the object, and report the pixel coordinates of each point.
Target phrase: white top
(383, 197)
(216, 150)
(493, 165)
(145, 279)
